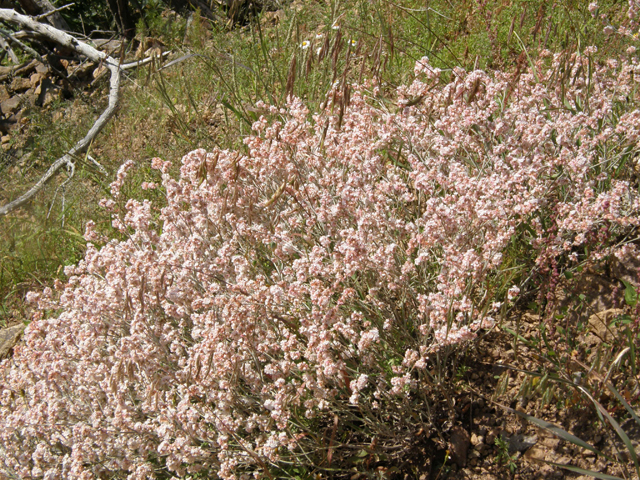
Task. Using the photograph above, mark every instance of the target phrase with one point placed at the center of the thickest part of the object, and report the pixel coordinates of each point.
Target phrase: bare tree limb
(66, 40)
(24, 46)
(140, 63)
(7, 48)
(54, 11)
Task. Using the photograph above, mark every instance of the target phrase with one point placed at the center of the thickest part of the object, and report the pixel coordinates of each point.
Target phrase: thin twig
(56, 10)
(7, 48)
(71, 168)
(140, 63)
(23, 46)
(97, 164)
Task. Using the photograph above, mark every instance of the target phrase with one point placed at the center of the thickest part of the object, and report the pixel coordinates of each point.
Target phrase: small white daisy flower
(306, 44)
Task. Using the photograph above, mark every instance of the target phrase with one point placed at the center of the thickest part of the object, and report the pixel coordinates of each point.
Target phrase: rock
(98, 72)
(29, 98)
(600, 324)
(51, 96)
(6, 139)
(4, 93)
(600, 293)
(8, 338)
(459, 446)
(109, 46)
(35, 79)
(20, 84)
(551, 442)
(476, 439)
(42, 87)
(626, 269)
(10, 106)
(82, 70)
(47, 93)
(521, 443)
(41, 68)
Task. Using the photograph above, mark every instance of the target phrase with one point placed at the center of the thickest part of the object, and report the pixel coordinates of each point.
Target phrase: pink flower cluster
(317, 272)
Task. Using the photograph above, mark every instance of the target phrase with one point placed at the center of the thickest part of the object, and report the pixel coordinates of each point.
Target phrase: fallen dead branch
(65, 40)
(23, 69)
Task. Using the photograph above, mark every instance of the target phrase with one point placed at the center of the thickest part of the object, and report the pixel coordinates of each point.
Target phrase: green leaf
(582, 471)
(519, 337)
(621, 399)
(557, 431)
(621, 433)
(630, 294)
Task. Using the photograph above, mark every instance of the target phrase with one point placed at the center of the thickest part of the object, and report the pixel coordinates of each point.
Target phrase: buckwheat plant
(286, 304)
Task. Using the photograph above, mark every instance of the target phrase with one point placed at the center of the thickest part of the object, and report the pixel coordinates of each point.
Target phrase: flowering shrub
(289, 301)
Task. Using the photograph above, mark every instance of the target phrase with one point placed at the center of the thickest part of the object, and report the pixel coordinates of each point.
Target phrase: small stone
(550, 442)
(10, 106)
(8, 338)
(51, 96)
(4, 93)
(521, 443)
(600, 324)
(476, 439)
(29, 98)
(35, 79)
(20, 84)
(459, 446)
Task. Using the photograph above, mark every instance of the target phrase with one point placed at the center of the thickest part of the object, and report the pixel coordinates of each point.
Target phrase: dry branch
(66, 40)
(7, 48)
(23, 69)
